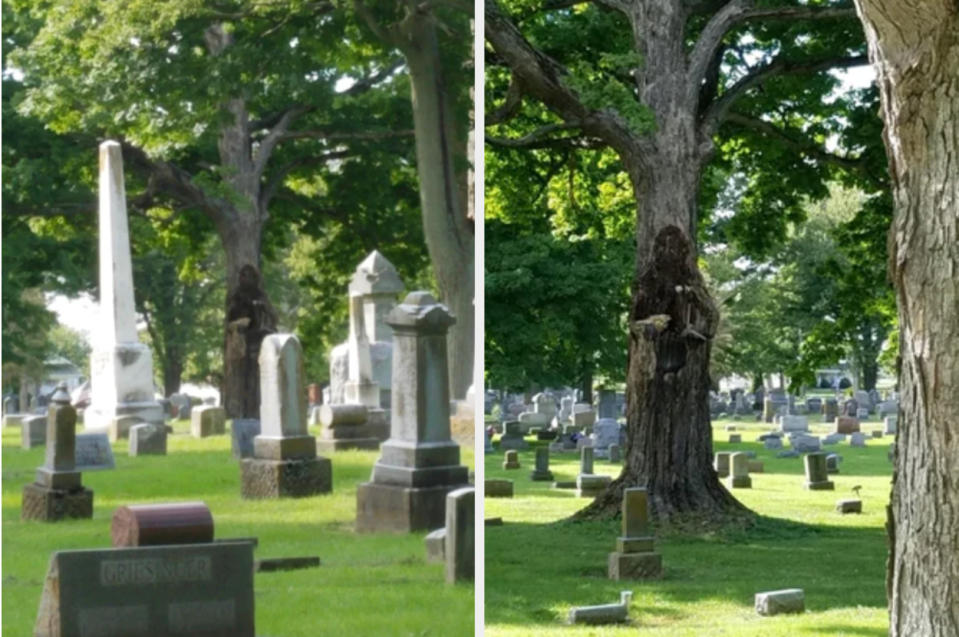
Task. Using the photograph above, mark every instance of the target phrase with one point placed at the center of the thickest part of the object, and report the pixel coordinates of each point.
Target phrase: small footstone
(564, 484)
(849, 506)
(602, 614)
(734, 438)
(790, 600)
(436, 545)
(147, 439)
(493, 522)
(498, 488)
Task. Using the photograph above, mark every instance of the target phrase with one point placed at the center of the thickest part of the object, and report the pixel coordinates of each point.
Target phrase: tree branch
(165, 177)
(803, 146)
(268, 143)
(543, 138)
(333, 136)
(366, 83)
(510, 107)
(541, 77)
(738, 11)
(386, 34)
(278, 177)
(716, 111)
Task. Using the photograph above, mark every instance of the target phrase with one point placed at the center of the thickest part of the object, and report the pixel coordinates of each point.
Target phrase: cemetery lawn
(539, 564)
(370, 584)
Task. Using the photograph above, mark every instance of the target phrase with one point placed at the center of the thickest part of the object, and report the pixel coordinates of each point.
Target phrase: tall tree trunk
(671, 325)
(172, 371)
(441, 164)
(914, 46)
(586, 384)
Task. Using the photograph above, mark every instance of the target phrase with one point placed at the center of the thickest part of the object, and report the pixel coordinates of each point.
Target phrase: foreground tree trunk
(915, 49)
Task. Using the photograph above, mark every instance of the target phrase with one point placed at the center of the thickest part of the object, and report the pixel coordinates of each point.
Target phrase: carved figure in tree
(249, 317)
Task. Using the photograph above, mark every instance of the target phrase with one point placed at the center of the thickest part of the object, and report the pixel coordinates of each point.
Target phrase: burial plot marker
(635, 556)
(419, 464)
(58, 492)
(817, 476)
(284, 462)
(541, 473)
(460, 523)
(121, 367)
(588, 484)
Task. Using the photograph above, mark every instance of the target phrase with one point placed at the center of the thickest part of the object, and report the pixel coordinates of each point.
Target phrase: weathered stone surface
(849, 506)
(285, 478)
(498, 488)
(791, 600)
(624, 566)
(398, 509)
(207, 420)
(846, 425)
(419, 463)
(93, 452)
(773, 443)
(590, 485)
(512, 437)
(161, 524)
(511, 460)
(148, 439)
(33, 431)
(604, 613)
(436, 545)
(794, 423)
(721, 463)
(242, 433)
(858, 439)
(832, 462)
(119, 427)
(158, 591)
(889, 425)
(735, 438)
(755, 466)
(816, 473)
(805, 444)
(739, 472)
(615, 454)
(460, 526)
(13, 420)
(541, 472)
(50, 505)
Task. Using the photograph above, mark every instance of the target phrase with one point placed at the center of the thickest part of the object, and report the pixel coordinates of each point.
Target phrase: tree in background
(677, 89)
(915, 49)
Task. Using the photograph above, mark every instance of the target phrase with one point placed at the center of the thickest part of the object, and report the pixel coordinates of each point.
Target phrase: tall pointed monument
(121, 367)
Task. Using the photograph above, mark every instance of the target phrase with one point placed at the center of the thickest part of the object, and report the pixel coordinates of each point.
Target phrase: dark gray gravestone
(242, 432)
(157, 591)
(93, 453)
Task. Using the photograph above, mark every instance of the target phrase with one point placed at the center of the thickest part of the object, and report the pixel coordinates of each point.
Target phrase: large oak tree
(663, 83)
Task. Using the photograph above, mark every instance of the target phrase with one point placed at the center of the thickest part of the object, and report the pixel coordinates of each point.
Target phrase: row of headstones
(587, 483)
(735, 468)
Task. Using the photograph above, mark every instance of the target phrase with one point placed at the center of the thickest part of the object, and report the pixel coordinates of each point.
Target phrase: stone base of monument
(285, 478)
(498, 488)
(635, 565)
(590, 485)
(399, 509)
(49, 505)
(825, 485)
(98, 419)
(541, 476)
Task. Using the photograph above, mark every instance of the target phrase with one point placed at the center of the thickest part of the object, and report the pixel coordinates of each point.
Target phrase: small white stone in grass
(789, 600)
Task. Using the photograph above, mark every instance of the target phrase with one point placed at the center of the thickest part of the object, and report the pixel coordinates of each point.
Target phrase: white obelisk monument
(121, 367)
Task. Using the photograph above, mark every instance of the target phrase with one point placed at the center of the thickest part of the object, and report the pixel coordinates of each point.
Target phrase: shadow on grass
(846, 629)
(838, 567)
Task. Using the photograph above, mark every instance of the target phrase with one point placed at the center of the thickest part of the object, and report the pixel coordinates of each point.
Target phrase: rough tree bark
(914, 46)
(672, 318)
(442, 168)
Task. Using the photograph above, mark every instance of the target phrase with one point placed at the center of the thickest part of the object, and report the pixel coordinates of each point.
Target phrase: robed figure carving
(250, 318)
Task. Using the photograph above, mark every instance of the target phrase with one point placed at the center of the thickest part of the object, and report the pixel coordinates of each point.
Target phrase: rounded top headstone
(61, 396)
(421, 311)
(375, 275)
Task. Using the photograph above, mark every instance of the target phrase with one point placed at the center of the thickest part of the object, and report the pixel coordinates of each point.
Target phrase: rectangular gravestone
(157, 591)
(93, 453)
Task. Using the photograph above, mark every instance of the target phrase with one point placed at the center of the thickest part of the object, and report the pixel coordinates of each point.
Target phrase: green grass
(539, 564)
(369, 584)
